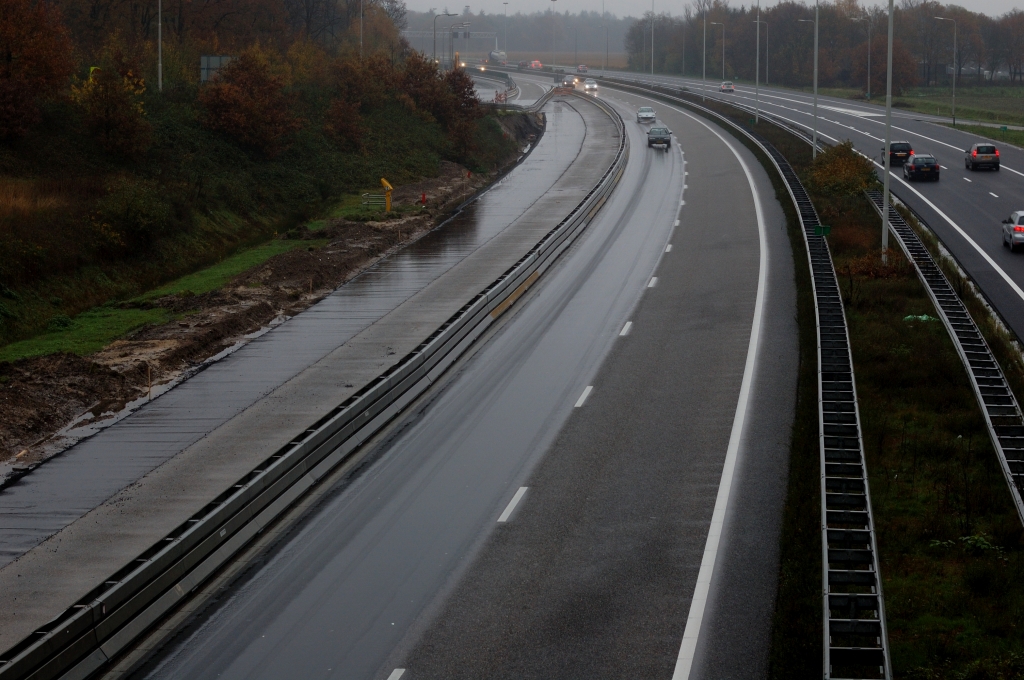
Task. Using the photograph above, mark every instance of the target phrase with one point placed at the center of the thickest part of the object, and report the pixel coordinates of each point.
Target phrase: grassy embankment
(950, 542)
(194, 199)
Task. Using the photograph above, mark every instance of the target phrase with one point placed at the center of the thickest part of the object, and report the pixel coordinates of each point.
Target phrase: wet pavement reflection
(73, 483)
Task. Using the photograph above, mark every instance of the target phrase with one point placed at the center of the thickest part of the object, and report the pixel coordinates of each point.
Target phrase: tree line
(922, 46)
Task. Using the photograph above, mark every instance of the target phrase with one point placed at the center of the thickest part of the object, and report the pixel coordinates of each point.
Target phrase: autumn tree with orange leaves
(35, 62)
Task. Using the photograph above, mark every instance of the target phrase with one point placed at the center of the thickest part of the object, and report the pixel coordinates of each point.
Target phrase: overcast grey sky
(638, 7)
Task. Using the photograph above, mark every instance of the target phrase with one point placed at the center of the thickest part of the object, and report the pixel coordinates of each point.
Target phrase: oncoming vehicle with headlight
(1013, 230)
(590, 85)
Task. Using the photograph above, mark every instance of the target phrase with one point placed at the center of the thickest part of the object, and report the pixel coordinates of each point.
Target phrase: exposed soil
(42, 396)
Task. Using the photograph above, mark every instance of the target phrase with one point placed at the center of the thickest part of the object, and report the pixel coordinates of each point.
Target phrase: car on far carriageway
(982, 155)
(899, 153)
(645, 114)
(659, 135)
(921, 166)
(1013, 230)
(582, 68)
(727, 86)
(536, 65)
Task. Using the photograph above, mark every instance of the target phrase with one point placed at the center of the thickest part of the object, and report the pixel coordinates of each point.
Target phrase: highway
(965, 208)
(547, 512)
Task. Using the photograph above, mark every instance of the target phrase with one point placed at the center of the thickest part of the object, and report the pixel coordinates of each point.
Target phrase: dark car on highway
(982, 155)
(921, 166)
(659, 135)
(899, 152)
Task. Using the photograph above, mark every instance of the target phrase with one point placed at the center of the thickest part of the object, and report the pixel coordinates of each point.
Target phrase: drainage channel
(856, 640)
(1002, 412)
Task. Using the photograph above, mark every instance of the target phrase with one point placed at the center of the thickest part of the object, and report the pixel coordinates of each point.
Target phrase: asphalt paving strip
(594, 577)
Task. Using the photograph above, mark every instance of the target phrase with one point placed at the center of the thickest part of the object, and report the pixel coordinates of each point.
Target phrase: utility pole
(954, 65)
(888, 142)
(159, 46)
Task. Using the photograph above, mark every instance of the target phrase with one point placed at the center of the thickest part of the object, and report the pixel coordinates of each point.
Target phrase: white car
(590, 85)
(645, 114)
(727, 87)
(1013, 230)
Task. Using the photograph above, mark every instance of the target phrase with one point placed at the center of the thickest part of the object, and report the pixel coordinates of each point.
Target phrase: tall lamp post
(765, 47)
(757, 68)
(652, 37)
(716, 23)
(159, 46)
(868, 20)
(604, 66)
(888, 142)
(552, 37)
(814, 145)
(506, 31)
(954, 64)
(704, 76)
(436, 17)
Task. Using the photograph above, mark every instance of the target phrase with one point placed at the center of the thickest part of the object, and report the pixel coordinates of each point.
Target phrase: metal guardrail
(856, 642)
(999, 405)
(85, 638)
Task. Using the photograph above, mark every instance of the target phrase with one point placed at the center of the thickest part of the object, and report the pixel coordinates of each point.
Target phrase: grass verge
(1015, 137)
(94, 329)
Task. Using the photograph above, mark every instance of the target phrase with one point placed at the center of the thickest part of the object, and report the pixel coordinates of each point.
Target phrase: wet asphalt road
(404, 567)
(73, 483)
(963, 206)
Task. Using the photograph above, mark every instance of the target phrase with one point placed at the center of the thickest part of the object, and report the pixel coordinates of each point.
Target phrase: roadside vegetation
(951, 545)
(1015, 137)
(109, 188)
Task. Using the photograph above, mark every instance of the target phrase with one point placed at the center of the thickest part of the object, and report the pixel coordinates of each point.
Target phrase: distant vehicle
(921, 166)
(645, 114)
(589, 85)
(1013, 230)
(983, 154)
(659, 135)
(568, 81)
(536, 65)
(582, 68)
(899, 152)
(497, 58)
(727, 87)
(524, 64)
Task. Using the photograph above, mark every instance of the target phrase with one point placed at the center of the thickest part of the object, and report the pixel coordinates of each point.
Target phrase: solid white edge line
(688, 647)
(625, 329)
(512, 504)
(677, 223)
(654, 280)
(991, 194)
(396, 674)
(583, 397)
(668, 248)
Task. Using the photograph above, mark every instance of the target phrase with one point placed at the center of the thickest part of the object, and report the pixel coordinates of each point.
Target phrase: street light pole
(159, 46)
(506, 31)
(704, 77)
(868, 20)
(715, 23)
(552, 38)
(757, 69)
(954, 65)
(436, 17)
(360, 29)
(652, 37)
(888, 142)
(814, 145)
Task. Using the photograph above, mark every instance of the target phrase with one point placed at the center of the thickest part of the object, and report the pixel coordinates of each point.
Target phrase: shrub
(111, 99)
(841, 171)
(248, 104)
(133, 214)
(35, 61)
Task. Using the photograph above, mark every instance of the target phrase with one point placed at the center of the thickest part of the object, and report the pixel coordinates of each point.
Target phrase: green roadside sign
(822, 230)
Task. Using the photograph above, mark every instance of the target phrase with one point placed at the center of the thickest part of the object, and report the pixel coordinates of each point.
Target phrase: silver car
(590, 85)
(982, 155)
(1013, 230)
(645, 114)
